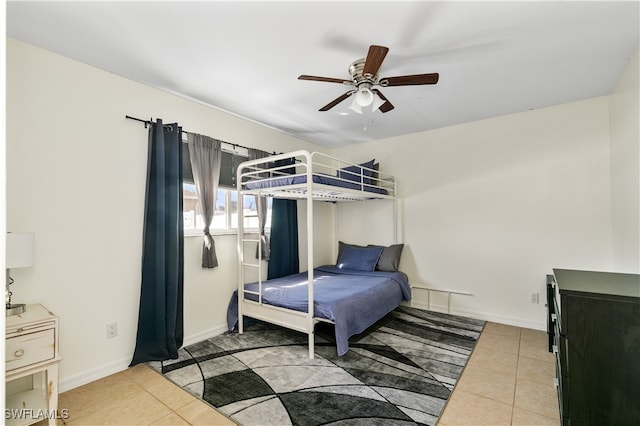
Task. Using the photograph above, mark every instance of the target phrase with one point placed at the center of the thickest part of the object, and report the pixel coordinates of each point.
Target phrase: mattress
(317, 178)
(353, 300)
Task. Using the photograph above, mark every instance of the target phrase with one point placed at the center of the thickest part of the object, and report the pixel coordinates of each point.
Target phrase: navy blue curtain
(284, 258)
(160, 319)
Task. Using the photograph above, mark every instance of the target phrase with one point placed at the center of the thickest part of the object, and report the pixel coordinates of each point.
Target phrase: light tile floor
(508, 381)
(136, 396)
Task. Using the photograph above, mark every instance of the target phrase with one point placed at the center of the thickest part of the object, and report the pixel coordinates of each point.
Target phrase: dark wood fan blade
(374, 59)
(337, 100)
(327, 79)
(411, 80)
(386, 106)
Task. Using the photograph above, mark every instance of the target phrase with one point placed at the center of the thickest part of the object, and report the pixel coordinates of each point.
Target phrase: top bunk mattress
(285, 176)
(316, 178)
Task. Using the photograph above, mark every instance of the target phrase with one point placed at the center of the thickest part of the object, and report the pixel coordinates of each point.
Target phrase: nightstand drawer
(29, 349)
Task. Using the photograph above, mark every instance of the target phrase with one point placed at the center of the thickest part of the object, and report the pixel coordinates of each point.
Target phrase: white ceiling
(494, 58)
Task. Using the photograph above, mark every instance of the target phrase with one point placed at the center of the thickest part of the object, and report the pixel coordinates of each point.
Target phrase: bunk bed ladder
(244, 265)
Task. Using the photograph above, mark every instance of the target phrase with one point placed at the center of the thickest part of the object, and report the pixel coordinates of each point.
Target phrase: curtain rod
(150, 121)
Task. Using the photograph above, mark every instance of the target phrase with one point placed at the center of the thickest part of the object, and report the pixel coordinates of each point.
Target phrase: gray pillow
(354, 172)
(390, 259)
(375, 175)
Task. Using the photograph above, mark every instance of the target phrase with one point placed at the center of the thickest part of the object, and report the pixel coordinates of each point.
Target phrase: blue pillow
(342, 246)
(359, 258)
(356, 171)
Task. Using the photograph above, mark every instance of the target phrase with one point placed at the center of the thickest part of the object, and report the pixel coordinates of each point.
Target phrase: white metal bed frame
(306, 164)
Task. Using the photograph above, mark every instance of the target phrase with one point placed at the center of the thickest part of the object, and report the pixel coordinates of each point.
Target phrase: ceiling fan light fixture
(375, 102)
(364, 76)
(364, 97)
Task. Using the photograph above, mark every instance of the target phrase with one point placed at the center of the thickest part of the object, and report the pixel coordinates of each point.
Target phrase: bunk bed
(352, 294)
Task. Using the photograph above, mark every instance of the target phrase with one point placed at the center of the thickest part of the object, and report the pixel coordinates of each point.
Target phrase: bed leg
(240, 324)
(311, 345)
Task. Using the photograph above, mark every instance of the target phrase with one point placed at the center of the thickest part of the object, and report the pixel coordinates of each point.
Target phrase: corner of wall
(624, 135)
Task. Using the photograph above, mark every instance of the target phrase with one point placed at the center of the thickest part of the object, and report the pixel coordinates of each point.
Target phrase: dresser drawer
(557, 308)
(562, 355)
(29, 349)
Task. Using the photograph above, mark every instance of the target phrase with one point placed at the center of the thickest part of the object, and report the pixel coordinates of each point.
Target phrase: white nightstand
(31, 365)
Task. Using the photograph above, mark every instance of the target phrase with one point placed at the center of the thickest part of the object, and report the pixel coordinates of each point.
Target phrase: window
(225, 218)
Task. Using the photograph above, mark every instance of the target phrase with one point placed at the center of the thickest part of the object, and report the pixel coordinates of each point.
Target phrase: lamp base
(15, 309)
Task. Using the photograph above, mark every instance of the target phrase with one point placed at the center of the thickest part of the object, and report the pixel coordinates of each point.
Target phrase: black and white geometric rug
(400, 371)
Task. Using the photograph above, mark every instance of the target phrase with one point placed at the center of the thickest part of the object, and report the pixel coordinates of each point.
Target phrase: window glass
(250, 212)
(190, 203)
(220, 216)
(226, 212)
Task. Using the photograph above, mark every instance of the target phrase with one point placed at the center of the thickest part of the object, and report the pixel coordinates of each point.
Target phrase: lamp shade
(20, 250)
(364, 97)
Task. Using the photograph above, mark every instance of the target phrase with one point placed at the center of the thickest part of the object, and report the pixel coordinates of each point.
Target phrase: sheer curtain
(205, 156)
(160, 318)
(261, 203)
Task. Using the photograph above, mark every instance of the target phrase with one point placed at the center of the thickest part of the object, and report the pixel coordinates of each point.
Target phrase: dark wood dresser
(594, 330)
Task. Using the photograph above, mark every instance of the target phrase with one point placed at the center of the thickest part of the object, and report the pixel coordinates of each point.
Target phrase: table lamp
(20, 253)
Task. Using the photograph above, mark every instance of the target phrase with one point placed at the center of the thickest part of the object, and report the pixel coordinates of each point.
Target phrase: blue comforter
(317, 178)
(353, 300)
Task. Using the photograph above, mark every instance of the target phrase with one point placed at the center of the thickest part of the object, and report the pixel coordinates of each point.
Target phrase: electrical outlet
(534, 297)
(112, 329)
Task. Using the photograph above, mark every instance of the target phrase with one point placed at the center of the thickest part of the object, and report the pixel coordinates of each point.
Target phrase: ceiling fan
(365, 80)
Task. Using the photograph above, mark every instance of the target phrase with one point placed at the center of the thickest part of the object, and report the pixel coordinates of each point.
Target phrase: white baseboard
(122, 364)
(207, 334)
(516, 322)
(94, 374)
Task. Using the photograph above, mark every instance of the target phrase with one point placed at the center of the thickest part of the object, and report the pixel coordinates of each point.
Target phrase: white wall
(76, 178)
(490, 207)
(625, 169)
